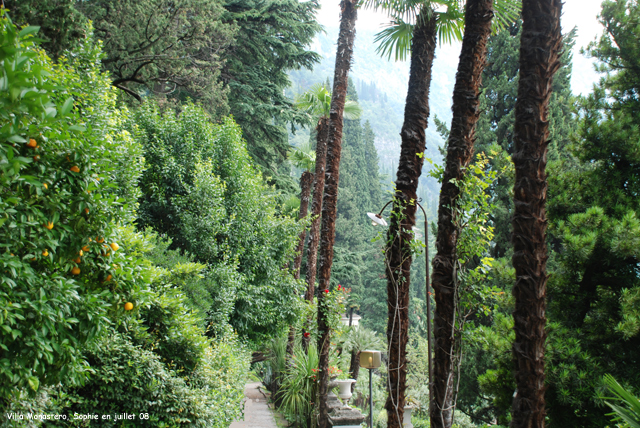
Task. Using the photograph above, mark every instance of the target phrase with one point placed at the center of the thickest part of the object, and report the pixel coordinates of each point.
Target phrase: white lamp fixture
(377, 220)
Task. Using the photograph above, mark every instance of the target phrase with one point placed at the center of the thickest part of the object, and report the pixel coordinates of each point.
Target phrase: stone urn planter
(407, 416)
(345, 391)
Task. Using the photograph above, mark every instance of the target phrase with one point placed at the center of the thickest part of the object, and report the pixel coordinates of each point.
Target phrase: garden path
(256, 411)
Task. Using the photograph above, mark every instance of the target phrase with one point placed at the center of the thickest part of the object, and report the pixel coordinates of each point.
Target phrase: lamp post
(370, 360)
(378, 220)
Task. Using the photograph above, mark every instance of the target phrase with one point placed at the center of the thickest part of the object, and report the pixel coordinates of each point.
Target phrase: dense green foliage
(202, 192)
(61, 150)
(71, 164)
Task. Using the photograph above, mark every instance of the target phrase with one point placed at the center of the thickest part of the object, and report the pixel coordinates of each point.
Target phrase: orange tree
(63, 276)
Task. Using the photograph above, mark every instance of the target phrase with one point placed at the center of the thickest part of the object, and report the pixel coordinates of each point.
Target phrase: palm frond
(305, 159)
(316, 101)
(506, 12)
(629, 410)
(450, 23)
(404, 10)
(395, 38)
(352, 110)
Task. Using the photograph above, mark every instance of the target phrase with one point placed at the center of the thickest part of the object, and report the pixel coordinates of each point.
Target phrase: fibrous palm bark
(398, 254)
(478, 16)
(539, 60)
(316, 210)
(346, 38)
(306, 179)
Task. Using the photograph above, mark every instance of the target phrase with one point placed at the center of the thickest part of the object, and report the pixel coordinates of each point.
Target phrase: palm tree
(346, 38)
(478, 17)
(415, 28)
(317, 102)
(303, 157)
(358, 339)
(539, 60)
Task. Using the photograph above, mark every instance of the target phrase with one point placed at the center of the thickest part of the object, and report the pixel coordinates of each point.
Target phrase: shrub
(59, 154)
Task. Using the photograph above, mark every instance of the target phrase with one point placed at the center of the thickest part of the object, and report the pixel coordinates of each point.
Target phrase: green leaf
(34, 383)
(67, 106)
(31, 29)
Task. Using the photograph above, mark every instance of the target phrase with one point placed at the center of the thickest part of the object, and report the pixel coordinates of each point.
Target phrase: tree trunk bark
(354, 368)
(403, 216)
(539, 60)
(346, 38)
(478, 15)
(306, 180)
(316, 211)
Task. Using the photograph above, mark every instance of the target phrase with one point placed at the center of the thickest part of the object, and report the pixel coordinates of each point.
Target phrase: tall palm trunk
(398, 256)
(306, 179)
(478, 15)
(344, 53)
(539, 60)
(316, 210)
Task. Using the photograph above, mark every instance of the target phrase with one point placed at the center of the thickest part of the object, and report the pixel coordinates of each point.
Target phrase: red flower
(326, 291)
(339, 287)
(306, 334)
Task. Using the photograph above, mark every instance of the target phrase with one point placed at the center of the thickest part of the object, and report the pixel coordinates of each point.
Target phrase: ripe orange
(114, 246)
(128, 306)
(32, 143)
(75, 168)
(80, 253)
(108, 278)
(75, 270)
(49, 225)
(45, 253)
(86, 210)
(99, 240)
(45, 185)
(78, 260)
(36, 158)
(85, 248)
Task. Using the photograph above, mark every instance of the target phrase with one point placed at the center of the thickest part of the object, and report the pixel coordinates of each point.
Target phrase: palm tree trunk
(403, 216)
(354, 367)
(478, 15)
(306, 179)
(346, 38)
(316, 210)
(539, 60)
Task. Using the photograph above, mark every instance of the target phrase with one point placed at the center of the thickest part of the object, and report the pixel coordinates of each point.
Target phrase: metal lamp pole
(370, 360)
(378, 220)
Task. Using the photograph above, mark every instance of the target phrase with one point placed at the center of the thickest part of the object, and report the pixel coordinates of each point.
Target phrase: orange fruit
(36, 158)
(114, 246)
(108, 278)
(45, 185)
(45, 253)
(49, 225)
(75, 270)
(80, 253)
(75, 168)
(128, 306)
(86, 210)
(99, 240)
(85, 248)
(32, 143)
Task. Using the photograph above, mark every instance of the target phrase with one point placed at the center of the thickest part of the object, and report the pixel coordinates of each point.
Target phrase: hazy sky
(576, 13)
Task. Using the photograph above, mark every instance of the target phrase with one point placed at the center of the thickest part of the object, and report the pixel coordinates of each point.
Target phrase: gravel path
(256, 412)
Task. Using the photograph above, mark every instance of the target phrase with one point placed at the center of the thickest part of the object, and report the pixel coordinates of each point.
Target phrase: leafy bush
(202, 192)
(60, 149)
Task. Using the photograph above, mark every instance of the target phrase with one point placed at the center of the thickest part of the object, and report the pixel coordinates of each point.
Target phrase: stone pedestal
(345, 418)
(339, 415)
